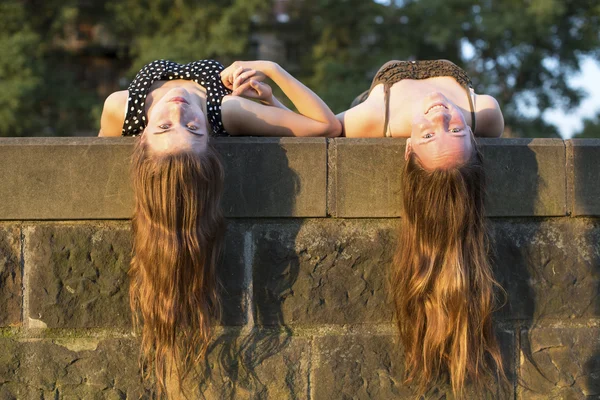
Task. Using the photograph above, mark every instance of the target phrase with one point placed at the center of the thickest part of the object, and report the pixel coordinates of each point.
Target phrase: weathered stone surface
(65, 178)
(550, 269)
(274, 177)
(526, 177)
(49, 178)
(10, 275)
(235, 275)
(43, 369)
(366, 179)
(560, 363)
(584, 175)
(372, 367)
(322, 272)
(76, 275)
(358, 367)
(264, 364)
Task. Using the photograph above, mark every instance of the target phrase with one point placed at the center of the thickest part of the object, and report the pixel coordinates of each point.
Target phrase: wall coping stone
(88, 178)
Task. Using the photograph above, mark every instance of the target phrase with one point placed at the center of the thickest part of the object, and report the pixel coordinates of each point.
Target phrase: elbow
(333, 129)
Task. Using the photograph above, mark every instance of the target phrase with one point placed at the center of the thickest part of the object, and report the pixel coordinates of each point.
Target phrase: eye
(192, 127)
(456, 130)
(164, 126)
(428, 136)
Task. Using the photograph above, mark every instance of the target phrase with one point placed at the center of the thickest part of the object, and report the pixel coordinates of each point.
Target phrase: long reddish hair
(442, 285)
(178, 228)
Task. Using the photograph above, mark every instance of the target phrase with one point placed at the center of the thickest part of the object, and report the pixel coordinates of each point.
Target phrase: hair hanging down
(178, 228)
(442, 284)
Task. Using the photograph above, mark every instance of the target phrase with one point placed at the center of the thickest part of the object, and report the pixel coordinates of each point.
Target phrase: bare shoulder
(490, 122)
(486, 102)
(113, 114)
(364, 120)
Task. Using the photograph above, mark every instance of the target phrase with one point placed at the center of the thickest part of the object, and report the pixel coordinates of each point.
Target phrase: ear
(408, 149)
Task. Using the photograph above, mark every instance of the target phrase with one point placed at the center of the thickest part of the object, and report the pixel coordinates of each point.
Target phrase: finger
(245, 90)
(243, 77)
(225, 78)
(256, 85)
(237, 73)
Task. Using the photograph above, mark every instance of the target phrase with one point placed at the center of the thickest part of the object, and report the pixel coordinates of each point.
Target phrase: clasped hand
(245, 78)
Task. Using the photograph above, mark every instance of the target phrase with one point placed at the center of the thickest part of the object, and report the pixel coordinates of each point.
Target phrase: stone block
(10, 275)
(365, 177)
(76, 275)
(526, 177)
(261, 364)
(322, 272)
(549, 268)
(65, 178)
(583, 176)
(88, 178)
(560, 363)
(358, 367)
(274, 177)
(372, 367)
(235, 274)
(71, 369)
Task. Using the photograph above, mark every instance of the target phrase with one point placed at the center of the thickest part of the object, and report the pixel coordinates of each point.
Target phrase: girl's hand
(254, 89)
(240, 71)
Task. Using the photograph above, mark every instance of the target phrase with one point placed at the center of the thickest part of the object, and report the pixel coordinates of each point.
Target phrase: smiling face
(176, 123)
(440, 136)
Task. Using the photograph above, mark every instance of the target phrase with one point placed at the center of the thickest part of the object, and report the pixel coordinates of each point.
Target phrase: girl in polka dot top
(177, 178)
(210, 100)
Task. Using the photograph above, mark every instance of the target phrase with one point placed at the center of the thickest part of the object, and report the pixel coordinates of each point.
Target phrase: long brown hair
(442, 285)
(178, 228)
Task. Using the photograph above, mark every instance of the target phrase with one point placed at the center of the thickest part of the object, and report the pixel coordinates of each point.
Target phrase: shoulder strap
(386, 94)
(470, 96)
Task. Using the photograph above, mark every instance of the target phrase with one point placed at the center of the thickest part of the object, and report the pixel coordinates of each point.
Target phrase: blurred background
(59, 59)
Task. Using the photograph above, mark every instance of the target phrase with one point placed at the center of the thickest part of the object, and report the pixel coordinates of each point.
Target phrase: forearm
(274, 102)
(305, 100)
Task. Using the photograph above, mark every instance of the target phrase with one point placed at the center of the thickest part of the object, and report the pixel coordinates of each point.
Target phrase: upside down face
(440, 136)
(176, 123)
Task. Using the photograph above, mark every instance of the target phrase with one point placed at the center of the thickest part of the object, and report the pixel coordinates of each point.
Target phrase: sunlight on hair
(178, 228)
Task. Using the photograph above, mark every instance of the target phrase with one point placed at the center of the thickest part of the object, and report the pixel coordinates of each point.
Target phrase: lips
(178, 100)
(436, 106)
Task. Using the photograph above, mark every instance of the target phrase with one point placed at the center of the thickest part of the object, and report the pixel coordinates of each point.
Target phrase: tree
(519, 52)
(182, 30)
(591, 128)
(19, 72)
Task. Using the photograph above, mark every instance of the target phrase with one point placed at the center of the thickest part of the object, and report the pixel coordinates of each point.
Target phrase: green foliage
(182, 31)
(519, 52)
(19, 77)
(591, 128)
(39, 92)
(522, 52)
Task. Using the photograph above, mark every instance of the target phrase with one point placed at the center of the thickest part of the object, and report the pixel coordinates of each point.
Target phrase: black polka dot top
(204, 72)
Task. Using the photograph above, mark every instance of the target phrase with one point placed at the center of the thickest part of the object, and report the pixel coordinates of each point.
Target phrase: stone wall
(312, 224)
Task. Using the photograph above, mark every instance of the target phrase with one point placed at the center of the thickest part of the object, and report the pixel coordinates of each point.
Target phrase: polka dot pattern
(203, 72)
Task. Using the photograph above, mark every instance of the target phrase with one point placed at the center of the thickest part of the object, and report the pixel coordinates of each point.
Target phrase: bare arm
(113, 114)
(489, 120)
(242, 116)
(276, 103)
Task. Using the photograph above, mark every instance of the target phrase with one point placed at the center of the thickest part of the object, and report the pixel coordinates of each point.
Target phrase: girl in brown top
(430, 102)
(442, 286)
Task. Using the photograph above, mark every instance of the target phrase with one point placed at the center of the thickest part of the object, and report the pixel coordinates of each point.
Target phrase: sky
(570, 122)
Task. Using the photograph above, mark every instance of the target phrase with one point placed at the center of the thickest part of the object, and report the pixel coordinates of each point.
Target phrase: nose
(441, 116)
(178, 111)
